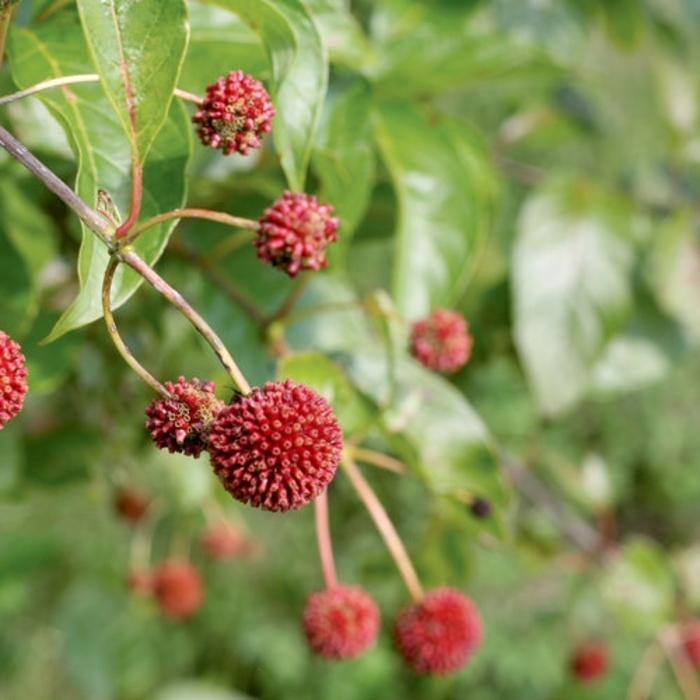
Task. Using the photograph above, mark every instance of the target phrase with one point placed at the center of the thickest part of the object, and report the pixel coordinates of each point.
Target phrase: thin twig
(134, 261)
(97, 224)
(646, 672)
(118, 341)
(47, 84)
(292, 298)
(189, 96)
(378, 459)
(323, 536)
(191, 213)
(385, 526)
(680, 663)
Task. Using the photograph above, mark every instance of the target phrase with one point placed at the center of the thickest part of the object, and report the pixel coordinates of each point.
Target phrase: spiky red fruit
(181, 423)
(440, 633)
(589, 662)
(235, 114)
(131, 504)
(295, 232)
(13, 379)
(178, 588)
(340, 622)
(278, 447)
(441, 341)
(690, 638)
(224, 540)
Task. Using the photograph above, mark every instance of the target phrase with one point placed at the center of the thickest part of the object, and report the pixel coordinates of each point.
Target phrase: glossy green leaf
(299, 76)
(571, 286)
(137, 48)
(445, 440)
(424, 48)
(320, 373)
(56, 48)
(444, 185)
(343, 156)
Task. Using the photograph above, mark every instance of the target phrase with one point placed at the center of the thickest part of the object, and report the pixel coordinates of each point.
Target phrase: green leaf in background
(444, 185)
(56, 48)
(198, 690)
(18, 302)
(447, 440)
(423, 48)
(299, 75)
(571, 286)
(638, 586)
(675, 270)
(138, 48)
(343, 156)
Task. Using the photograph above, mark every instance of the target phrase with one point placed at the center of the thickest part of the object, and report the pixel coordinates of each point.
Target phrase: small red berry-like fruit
(480, 508)
(589, 661)
(178, 588)
(441, 341)
(690, 638)
(440, 633)
(131, 504)
(13, 379)
(295, 232)
(235, 114)
(340, 622)
(224, 540)
(181, 423)
(276, 448)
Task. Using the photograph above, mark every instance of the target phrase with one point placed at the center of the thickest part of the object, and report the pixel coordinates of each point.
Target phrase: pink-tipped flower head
(340, 622)
(178, 588)
(440, 633)
(589, 662)
(13, 379)
(276, 448)
(224, 540)
(295, 232)
(441, 341)
(235, 114)
(181, 423)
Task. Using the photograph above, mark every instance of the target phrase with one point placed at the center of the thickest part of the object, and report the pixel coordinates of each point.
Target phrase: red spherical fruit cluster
(340, 622)
(295, 232)
(13, 379)
(278, 447)
(441, 341)
(223, 541)
(235, 114)
(178, 588)
(181, 423)
(589, 662)
(690, 638)
(440, 633)
(131, 504)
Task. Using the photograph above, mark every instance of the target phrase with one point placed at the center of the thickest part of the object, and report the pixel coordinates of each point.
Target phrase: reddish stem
(136, 197)
(323, 535)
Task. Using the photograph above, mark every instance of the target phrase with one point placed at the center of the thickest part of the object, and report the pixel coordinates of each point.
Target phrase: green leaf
(638, 586)
(343, 155)
(425, 48)
(56, 48)
(18, 303)
(198, 690)
(320, 373)
(444, 186)
(138, 48)
(571, 285)
(299, 76)
(445, 439)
